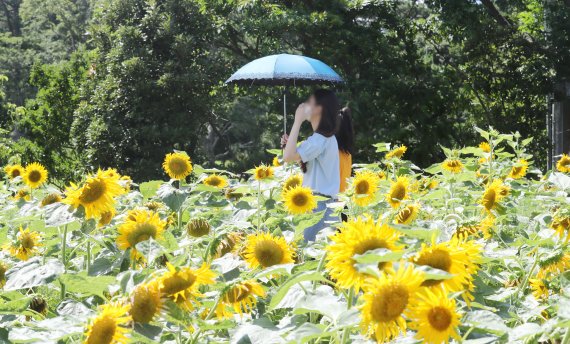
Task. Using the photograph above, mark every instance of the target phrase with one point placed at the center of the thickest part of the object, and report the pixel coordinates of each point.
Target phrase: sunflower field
(472, 249)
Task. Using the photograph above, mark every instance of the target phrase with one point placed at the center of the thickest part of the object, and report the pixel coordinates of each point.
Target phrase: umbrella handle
(285, 110)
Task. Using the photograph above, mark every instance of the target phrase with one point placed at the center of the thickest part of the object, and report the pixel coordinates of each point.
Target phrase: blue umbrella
(284, 70)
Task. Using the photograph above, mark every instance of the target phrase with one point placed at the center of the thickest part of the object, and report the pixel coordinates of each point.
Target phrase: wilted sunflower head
(397, 152)
(198, 227)
(293, 181)
(14, 171)
(153, 205)
(177, 165)
(241, 297)
(228, 243)
(106, 218)
(398, 191)
(263, 172)
(364, 186)
(35, 174)
(146, 302)
(452, 165)
(299, 200)
(38, 305)
(539, 288)
(216, 180)
(407, 214)
(265, 250)
(493, 194)
(108, 326)
(563, 165)
(51, 198)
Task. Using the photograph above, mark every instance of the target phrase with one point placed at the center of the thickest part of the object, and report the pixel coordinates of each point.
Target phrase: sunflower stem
(566, 339)
(64, 248)
(258, 205)
(350, 299)
(319, 268)
(523, 285)
(88, 256)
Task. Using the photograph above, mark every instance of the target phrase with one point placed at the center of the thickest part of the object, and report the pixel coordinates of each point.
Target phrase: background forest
(98, 83)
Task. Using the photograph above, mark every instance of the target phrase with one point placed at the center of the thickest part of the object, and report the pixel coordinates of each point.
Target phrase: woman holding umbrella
(318, 154)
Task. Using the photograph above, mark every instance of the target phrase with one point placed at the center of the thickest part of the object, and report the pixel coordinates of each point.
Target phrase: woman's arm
(290, 153)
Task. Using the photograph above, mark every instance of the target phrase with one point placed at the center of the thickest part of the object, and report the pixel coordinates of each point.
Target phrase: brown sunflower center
(15, 172)
(268, 253)
(93, 191)
(362, 187)
(439, 318)
(27, 241)
(404, 214)
(214, 181)
(398, 191)
(300, 199)
(177, 283)
(437, 259)
(178, 165)
(144, 305)
(34, 176)
(291, 183)
(389, 303)
(103, 331)
(489, 198)
(142, 232)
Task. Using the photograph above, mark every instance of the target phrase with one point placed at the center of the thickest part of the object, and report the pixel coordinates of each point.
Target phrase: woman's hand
(301, 114)
(284, 139)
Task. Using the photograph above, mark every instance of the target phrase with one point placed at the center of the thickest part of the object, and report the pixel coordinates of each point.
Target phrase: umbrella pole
(285, 110)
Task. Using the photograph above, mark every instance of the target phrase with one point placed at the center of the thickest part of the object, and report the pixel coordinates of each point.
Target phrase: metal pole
(285, 110)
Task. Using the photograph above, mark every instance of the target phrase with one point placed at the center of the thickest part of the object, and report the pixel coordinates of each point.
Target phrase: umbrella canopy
(284, 70)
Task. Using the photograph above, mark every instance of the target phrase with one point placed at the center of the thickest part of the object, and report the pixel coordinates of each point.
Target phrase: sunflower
(153, 205)
(3, 269)
(106, 218)
(554, 264)
(35, 175)
(364, 185)
(398, 191)
(397, 152)
(96, 195)
(452, 165)
(461, 259)
(23, 194)
(292, 181)
(539, 288)
(140, 225)
(381, 175)
(407, 214)
(177, 165)
(228, 243)
(485, 146)
(493, 194)
(51, 198)
(468, 230)
(146, 302)
(434, 317)
(198, 227)
(232, 195)
(385, 300)
(217, 181)
(111, 173)
(26, 244)
(108, 326)
(561, 224)
(563, 165)
(241, 297)
(299, 200)
(265, 250)
(358, 236)
(263, 172)
(275, 161)
(14, 171)
(181, 284)
(519, 169)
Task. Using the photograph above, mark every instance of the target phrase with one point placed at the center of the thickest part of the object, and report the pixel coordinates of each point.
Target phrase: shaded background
(99, 83)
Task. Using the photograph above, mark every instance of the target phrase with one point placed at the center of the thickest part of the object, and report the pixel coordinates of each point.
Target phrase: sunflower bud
(198, 227)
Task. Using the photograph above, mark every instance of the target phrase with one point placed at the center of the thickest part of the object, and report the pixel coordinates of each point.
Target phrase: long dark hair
(329, 124)
(330, 119)
(345, 133)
